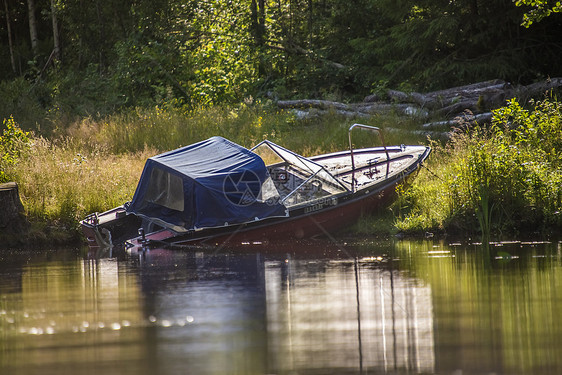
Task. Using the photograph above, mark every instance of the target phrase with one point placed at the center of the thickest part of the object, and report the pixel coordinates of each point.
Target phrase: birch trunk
(10, 43)
(56, 37)
(33, 28)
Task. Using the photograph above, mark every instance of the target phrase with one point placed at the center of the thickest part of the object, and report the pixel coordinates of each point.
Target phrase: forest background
(138, 75)
(66, 58)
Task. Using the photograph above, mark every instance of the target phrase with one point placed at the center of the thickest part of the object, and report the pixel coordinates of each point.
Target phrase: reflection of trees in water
(64, 304)
(433, 308)
(347, 316)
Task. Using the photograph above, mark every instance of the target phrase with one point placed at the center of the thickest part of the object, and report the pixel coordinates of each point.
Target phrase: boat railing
(367, 127)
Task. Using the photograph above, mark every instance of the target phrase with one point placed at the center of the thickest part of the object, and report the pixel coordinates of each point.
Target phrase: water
(403, 307)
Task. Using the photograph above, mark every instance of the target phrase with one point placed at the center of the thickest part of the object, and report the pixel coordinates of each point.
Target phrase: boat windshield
(297, 179)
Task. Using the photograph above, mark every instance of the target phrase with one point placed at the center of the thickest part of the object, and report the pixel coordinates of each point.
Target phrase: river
(385, 307)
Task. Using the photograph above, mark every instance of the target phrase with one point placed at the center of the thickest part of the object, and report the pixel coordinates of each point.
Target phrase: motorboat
(216, 191)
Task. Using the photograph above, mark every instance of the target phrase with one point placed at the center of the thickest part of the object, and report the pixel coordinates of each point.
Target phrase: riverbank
(505, 179)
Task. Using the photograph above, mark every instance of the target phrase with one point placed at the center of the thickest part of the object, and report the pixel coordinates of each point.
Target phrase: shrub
(13, 142)
(506, 179)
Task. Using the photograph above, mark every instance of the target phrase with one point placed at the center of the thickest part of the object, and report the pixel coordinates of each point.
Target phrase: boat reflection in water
(388, 308)
(347, 315)
(282, 313)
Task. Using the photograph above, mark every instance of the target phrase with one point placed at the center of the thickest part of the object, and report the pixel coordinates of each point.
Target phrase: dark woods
(76, 57)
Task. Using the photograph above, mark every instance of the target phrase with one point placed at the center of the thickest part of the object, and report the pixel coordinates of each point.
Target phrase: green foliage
(539, 129)
(539, 9)
(503, 180)
(13, 142)
(224, 72)
(23, 100)
(118, 55)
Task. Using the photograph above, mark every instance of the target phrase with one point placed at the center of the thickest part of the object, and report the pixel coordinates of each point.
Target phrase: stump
(12, 216)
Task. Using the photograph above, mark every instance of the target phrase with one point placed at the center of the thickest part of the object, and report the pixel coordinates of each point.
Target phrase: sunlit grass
(94, 165)
(245, 124)
(428, 204)
(62, 181)
(494, 180)
(505, 180)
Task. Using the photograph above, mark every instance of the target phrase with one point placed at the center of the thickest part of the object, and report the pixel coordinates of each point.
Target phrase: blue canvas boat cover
(208, 184)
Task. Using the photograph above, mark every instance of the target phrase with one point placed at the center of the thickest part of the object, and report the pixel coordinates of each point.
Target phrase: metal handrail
(373, 128)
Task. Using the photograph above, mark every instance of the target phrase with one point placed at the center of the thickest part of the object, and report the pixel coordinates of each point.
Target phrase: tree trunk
(56, 37)
(33, 28)
(10, 43)
(257, 14)
(261, 20)
(12, 220)
(255, 23)
(310, 22)
(101, 24)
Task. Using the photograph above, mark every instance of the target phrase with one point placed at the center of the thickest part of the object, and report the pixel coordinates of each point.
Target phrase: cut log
(539, 88)
(471, 90)
(12, 219)
(374, 108)
(445, 135)
(424, 101)
(482, 118)
(310, 108)
(399, 96)
(457, 108)
(311, 103)
(313, 113)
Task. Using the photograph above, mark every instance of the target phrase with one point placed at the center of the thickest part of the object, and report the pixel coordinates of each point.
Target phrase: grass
(506, 179)
(62, 181)
(246, 124)
(94, 165)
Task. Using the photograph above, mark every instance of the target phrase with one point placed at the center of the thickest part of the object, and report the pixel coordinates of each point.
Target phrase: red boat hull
(323, 216)
(323, 222)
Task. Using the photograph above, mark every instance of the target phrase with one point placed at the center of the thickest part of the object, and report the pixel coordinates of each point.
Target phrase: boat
(216, 191)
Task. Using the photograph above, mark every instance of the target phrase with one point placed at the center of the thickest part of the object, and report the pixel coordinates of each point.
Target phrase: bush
(13, 142)
(24, 101)
(502, 180)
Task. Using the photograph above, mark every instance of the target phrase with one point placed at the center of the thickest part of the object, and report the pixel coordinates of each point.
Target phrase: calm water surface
(402, 307)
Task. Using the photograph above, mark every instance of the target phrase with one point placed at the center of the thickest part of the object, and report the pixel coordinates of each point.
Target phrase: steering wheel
(316, 186)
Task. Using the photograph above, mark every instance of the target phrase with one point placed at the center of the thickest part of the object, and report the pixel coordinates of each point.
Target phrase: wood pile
(447, 108)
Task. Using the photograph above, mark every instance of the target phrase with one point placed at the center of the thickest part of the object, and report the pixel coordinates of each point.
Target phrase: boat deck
(298, 185)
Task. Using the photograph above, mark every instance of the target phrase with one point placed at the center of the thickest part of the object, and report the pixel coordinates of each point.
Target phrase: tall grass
(502, 180)
(61, 181)
(94, 165)
(246, 124)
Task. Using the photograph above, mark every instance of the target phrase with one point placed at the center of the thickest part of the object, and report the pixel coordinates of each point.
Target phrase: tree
(540, 9)
(10, 39)
(56, 36)
(33, 28)
(118, 53)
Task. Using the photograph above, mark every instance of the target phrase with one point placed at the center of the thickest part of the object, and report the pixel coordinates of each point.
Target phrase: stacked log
(469, 103)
